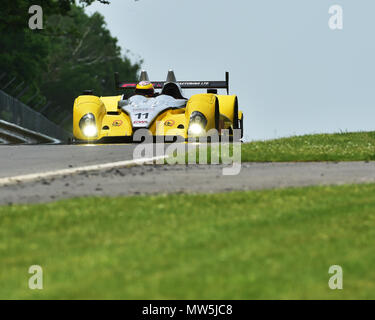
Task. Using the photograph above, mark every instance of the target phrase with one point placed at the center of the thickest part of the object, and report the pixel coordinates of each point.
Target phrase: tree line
(73, 52)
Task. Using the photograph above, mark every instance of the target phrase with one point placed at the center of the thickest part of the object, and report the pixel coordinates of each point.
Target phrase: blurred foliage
(73, 52)
(14, 13)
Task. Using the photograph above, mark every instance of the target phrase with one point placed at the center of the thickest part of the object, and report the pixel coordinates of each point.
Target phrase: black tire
(241, 121)
(217, 114)
(235, 115)
(72, 140)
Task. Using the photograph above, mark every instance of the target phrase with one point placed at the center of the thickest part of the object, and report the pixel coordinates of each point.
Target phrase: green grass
(275, 244)
(346, 146)
(319, 147)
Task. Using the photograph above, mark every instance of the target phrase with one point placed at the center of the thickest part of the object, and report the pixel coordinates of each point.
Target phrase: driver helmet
(145, 88)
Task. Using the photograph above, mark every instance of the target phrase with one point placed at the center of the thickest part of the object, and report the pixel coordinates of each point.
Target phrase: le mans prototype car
(97, 119)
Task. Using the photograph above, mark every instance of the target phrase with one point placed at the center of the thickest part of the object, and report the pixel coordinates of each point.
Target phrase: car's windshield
(159, 101)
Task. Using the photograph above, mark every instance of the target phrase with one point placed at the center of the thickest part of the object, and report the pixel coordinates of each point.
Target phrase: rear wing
(211, 86)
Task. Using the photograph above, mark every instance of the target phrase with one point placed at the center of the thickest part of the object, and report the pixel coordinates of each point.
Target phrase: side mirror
(213, 91)
(87, 93)
(122, 103)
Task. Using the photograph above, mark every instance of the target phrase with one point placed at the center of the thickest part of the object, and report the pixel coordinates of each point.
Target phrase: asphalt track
(25, 159)
(151, 178)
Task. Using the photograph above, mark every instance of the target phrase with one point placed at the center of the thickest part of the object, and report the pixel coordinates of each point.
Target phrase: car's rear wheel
(235, 115)
(217, 115)
(241, 126)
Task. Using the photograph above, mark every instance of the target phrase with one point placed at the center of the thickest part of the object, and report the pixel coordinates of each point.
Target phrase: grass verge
(356, 146)
(319, 147)
(275, 244)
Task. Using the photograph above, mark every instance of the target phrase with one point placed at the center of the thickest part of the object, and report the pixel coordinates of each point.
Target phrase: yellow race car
(163, 113)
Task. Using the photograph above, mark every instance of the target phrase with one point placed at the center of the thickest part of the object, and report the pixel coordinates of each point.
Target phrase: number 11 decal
(142, 115)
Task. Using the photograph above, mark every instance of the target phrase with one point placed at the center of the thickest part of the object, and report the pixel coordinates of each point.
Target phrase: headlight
(88, 125)
(90, 131)
(197, 124)
(195, 129)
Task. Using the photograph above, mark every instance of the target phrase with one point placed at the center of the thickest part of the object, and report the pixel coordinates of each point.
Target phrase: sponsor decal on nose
(169, 123)
(117, 123)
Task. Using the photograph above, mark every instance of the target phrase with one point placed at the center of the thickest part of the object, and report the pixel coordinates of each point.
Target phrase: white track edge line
(72, 171)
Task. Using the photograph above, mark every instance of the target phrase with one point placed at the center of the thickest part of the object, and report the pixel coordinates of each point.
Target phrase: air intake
(171, 77)
(144, 76)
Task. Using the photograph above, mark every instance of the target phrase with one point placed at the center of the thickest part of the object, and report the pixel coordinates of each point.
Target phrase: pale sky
(291, 72)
